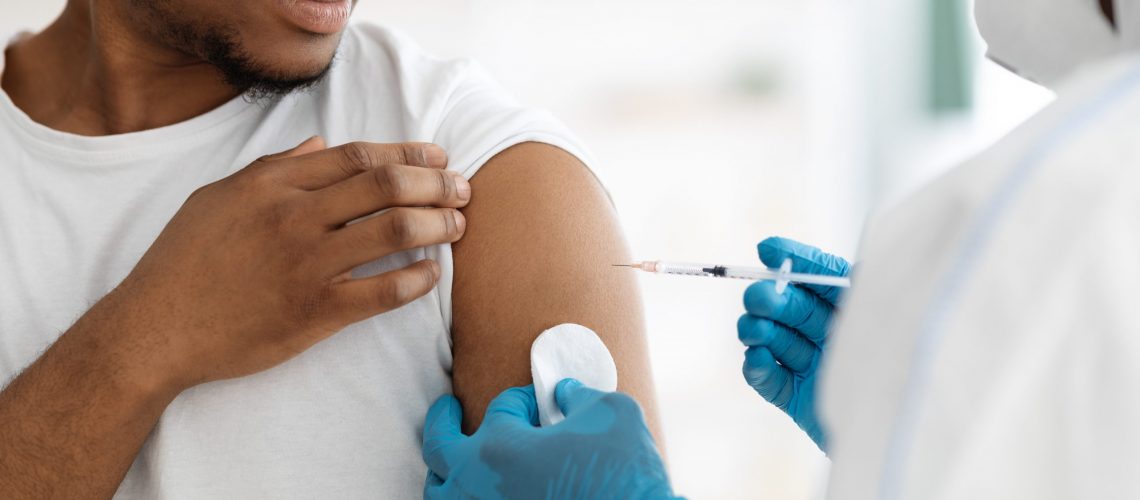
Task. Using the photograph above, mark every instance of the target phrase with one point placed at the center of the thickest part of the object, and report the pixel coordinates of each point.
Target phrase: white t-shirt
(342, 420)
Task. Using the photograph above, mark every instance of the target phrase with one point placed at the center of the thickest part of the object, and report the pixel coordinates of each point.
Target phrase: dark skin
(109, 66)
(523, 268)
(72, 422)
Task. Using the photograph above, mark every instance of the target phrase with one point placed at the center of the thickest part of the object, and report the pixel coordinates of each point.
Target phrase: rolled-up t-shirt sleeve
(478, 119)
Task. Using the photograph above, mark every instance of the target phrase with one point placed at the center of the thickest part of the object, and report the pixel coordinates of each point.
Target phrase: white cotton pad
(568, 351)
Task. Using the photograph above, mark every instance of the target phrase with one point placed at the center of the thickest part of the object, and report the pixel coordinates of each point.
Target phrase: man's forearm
(73, 421)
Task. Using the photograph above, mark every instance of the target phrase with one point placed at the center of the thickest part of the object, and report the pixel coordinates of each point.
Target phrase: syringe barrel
(692, 269)
(682, 268)
(742, 273)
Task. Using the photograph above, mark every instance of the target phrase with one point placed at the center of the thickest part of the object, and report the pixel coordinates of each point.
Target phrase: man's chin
(263, 74)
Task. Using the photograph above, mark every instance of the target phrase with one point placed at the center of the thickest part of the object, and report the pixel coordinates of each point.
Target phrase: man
(237, 319)
(988, 348)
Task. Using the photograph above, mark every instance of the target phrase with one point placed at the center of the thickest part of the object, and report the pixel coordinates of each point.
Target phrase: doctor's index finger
(326, 167)
(805, 259)
(442, 434)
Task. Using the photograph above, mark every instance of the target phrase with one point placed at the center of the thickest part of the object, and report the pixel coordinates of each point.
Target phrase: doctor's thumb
(572, 395)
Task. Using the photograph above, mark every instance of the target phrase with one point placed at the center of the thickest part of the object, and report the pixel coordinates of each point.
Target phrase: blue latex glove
(786, 334)
(602, 450)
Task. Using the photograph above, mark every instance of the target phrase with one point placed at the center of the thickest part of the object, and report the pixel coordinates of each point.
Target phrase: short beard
(256, 82)
(221, 47)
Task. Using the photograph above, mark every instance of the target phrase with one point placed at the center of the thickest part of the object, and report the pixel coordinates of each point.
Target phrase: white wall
(715, 123)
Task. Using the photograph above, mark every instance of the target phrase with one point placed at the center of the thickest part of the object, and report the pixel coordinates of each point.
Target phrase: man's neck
(92, 72)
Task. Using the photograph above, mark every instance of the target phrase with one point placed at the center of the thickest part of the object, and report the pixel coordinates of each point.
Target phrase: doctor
(990, 349)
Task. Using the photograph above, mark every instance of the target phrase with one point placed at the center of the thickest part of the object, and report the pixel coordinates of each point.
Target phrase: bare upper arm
(541, 238)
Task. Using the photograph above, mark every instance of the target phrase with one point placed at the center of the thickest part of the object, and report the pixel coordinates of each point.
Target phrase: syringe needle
(623, 265)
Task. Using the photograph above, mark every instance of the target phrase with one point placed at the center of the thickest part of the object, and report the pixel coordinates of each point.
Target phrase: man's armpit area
(541, 239)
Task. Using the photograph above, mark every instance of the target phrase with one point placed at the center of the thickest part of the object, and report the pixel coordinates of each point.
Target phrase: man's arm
(72, 423)
(542, 237)
(195, 308)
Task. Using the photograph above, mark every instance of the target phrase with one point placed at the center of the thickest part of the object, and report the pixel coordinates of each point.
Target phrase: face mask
(1045, 40)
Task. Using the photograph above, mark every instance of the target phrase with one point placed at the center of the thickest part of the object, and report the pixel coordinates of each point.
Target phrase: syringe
(781, 276)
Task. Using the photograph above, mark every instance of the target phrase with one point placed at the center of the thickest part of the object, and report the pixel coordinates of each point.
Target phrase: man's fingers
(514, 406)
(360, 299)
(442, 434)
(572, 395)
(389, 186)
(388, 233)
(324, 168)
(772, 381)
(789, 347)
(805, 259)
(796, 308)
(310, 145)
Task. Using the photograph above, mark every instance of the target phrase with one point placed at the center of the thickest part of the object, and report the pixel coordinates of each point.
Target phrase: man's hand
(602, 450)
(255, 268)
(787, 333)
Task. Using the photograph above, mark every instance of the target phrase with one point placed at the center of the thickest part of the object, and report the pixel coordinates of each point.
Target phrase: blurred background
(714, 124)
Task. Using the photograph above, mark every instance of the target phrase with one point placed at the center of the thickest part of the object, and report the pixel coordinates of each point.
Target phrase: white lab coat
(990, 347)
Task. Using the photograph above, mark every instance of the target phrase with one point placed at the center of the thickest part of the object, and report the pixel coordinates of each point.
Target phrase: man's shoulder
(378, 58)
(385, 86)
(384, 83)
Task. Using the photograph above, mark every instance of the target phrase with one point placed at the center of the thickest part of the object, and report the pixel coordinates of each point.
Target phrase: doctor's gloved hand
(602, 450)
(786, 334)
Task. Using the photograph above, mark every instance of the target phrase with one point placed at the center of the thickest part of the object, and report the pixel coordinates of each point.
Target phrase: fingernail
(462, 188)
(435, 156)
(435, 271)
(460, 221)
